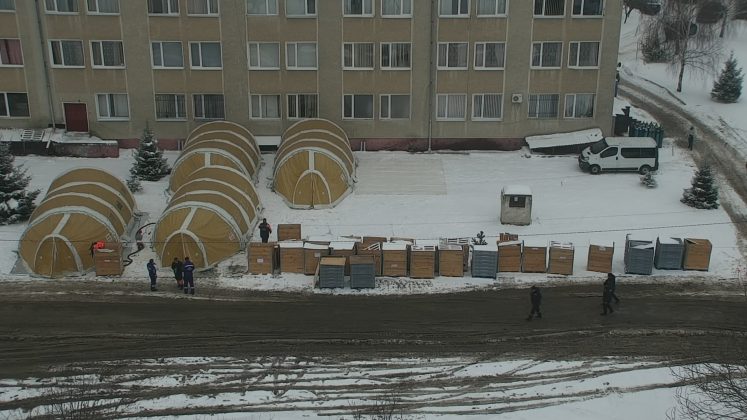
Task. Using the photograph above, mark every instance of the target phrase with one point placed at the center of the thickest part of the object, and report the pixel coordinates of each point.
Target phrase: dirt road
(111, 321)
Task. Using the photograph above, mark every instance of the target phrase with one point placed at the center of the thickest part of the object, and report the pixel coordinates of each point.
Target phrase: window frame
(578, 54)
(208, 15)
(201, 67)
(458, 15)
(11, 10)
(203, 118)
(63, 65)
(542, 49)
(482, 112)
(261, 96)
(544, 7)
(363, 9)
(97, 12)
(390, 54)
(288, 113)
(295, 48)
(6, 102)
(353, 45)
(177, 118)
(260, 67)
(267, 3)
(446, 117)
(104, 118)
(582, 15)
(400, 16)
(494, 15)
(163, 67)
(352, 106)
(56, 6)
(447, 67)
(170, 13)
(23, 59)
(101, 50)
(386, 98)
(483, 67)
(305, 15)
(517, 201)
(573, 110)
(537, 117)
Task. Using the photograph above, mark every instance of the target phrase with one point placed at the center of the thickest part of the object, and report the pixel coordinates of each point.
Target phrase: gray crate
(669, 253)
(362, 272)
(332, 272)
(639, 256)
(484, 261)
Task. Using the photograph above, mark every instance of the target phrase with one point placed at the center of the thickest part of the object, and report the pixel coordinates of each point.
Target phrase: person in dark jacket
(606, 300)
(189, 281)
(535, 296)
(265, 230)
(691, 138)
(611, 283)
(153, 274)
(178, 268)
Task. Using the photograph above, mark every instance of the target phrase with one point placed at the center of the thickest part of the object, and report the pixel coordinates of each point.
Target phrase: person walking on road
(611, 283)
(606, 300)
(535, 296)
(178, 268)
(153, 274)
(265, 230)
(189, 281)
(691, 138)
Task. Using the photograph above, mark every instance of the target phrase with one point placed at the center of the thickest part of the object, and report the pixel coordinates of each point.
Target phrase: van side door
(608, 159)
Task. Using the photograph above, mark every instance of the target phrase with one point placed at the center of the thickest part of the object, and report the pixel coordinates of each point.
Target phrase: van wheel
(595, 169)
(644, 170)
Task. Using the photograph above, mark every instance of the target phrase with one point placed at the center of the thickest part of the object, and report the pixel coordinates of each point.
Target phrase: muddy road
(42, 326)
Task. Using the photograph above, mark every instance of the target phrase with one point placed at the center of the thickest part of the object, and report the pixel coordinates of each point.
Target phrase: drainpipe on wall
(40, 28)
(432, 69)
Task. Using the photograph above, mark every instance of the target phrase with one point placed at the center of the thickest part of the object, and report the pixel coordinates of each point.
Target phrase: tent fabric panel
(289, 172)
(335, 176)
(217, 159)
(231, 176)
(317, 145)
(54, 258)
(82, 231)
(94, 175)
(222, 187)
(248, 146)
(56, 203)
(332, 140)
(33, 236)
(181, 245)
(220, 126)
(183, 168)
(315, 124)
(225, 203)
(310, 191)
(218, 238)
(170, 221)
(99, 191)
(233, 149)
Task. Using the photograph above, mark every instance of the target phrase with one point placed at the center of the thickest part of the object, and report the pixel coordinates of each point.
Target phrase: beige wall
(234, 29)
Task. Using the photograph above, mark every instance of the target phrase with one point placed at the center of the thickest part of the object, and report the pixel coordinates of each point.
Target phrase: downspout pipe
(432, 69)
(42, 38)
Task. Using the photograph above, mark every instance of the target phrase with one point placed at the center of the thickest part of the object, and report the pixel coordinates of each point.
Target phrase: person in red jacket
(265, 230)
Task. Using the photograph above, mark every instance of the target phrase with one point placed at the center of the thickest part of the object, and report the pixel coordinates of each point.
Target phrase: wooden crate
(509, 256)
(291, 257)
(370, 240)
(422, 261)
(394, 259)
(697, 254)
(261, 257)
(507, 237)
(289, 232)
(312, 253)
(450, 260)
(600, 258)
(534, 259)
(374, 250)
(464, 243)
(343, 249)
(107, 261)
(561, 258)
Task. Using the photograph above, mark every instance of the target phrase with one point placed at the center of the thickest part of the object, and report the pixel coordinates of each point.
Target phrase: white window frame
(203, 118)
(542, 50)
(390, 54)
(365, 11)
(354, 46)
(537, 117)
(294, 115)
(482, 109)
(544, 9)
(582, 15)
(12, 9)
(160, 46)
(258, 46)
(210, 12)
(56, 10)
(63, 65)
(4, 99)
(352, 106)
(576, 64)
(101, 50)
(98, 8)
(200, 66)
(573, 108)
(402, 4)
(100, 117)
(261, 97)
(295, 56)
(460, 13)
(170, 12)
(306, 13)
(386, 98)
(23, 58)
(484, 48)
(495, 13)
(447, 66)
(446, 98)
(267, 6)
(175, 95)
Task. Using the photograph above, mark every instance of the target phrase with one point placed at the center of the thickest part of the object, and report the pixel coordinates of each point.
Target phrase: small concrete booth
(516, 205)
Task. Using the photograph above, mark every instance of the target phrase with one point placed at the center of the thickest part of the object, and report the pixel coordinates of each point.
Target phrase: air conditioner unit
(517, 98)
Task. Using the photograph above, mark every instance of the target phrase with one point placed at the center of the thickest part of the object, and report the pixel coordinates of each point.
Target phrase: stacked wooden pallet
(261, 257)
(108, 260)
(332, 272)
(561, 258)
(600, 258)
(450, 260)
(394, 259)
(422, 261)
(291, 257)
(509, 256)
(697, 254)
(534, 258)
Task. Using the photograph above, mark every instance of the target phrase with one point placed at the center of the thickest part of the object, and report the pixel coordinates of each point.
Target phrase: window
(300, 8)
(205, 55)
(265, 106)
(396, 8)
(583, 54)
(103, 7)
(264, 55)
(61, 6)
(395, 55)
(262, 7)
(490, 55)
(587, 7)
(167, 54)
(451, 107)
(487, 106)
(357, 55)
(107, 54)
(452, 55)
(357, 7)
(208, 107)
(549, 7)
(14, 105)
(491, 7)
(202, 7)
(170, 106)
(612, 151)
(163, 7)
(300, 55)
(66, 53)
(579, 105)
(7, 5)
(357, 106)
(451, 8)
(544, 105)
(394, 107)
(10, 52)
(303, 105)
(519, 201)
(637, 153)
(546, 54)
(113, 106)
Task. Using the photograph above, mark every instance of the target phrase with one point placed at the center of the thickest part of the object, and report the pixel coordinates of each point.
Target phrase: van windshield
(598, 146)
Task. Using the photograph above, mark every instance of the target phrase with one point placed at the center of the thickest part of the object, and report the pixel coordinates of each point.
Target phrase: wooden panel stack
(462, 242)
(374, 250)
(450, 260)
(561, 258)
(343, 249)
(509, 256)
(289, 232)
(600, 258)
(394, 259)
(697, 254)
(422, 261)
(261, 257)
(312, 253)
(291, 257)
(534, 259)
(108, 260)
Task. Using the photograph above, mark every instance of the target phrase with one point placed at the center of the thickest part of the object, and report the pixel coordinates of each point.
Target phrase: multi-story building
(392, 73)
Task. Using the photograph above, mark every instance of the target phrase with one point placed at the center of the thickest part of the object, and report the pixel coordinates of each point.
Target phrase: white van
(620, 154)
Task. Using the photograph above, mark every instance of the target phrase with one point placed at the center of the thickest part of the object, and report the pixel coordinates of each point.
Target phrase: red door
(76, 117)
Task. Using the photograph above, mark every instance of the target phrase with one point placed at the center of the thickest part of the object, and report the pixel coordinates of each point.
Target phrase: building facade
(395, 74)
